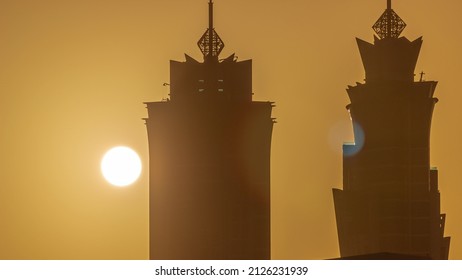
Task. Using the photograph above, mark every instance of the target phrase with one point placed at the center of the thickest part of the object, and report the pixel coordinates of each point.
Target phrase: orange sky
(74, 76)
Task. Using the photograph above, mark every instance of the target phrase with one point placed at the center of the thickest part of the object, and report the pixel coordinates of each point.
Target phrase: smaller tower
(390, 202)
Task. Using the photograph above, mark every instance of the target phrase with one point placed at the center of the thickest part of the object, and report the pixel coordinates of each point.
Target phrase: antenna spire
(389, 25)
(389, 15)
(211, 14)
(211, 29)
(210, 43)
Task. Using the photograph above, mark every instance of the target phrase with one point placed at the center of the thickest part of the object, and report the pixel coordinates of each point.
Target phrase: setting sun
(121, 166)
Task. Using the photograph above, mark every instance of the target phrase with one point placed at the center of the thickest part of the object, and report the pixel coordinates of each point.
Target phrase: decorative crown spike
(389, 25)
(210, 43)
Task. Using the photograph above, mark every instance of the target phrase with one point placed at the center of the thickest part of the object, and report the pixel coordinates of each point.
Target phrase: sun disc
(121, 166)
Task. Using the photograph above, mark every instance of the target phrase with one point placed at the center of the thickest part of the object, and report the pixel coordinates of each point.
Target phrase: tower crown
(227, 80)
(210, 43)
(389, 25)
(391, 57)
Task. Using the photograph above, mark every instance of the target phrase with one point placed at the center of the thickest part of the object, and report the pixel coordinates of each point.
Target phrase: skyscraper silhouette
(390, 200)
(209, 155)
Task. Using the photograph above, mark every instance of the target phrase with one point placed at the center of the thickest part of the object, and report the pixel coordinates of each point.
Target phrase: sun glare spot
(121, 166)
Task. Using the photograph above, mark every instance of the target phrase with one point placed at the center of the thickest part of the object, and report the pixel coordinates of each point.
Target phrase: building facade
(209, 160)
(390, 200)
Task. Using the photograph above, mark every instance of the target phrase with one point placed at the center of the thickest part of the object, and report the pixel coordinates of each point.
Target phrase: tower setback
(390, 200)
(209, 155)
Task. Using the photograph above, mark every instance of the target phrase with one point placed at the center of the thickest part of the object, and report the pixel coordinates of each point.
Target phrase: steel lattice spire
(210, 43)
(389, 25)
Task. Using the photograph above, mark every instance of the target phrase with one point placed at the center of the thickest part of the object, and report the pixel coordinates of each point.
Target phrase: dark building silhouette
(209, 155)
(390, 200)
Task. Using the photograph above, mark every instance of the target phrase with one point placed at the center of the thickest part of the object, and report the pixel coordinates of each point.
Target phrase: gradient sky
(74, 76)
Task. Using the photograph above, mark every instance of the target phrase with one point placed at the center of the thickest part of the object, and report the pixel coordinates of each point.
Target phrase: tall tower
(390, 200)
(209, 156)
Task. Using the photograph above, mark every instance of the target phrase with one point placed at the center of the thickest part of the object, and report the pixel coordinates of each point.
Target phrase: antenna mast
(210, 43)
(389, 15)
(211, 29)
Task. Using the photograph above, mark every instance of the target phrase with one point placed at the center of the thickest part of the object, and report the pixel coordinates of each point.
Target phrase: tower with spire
(209, 160)
(390, 202)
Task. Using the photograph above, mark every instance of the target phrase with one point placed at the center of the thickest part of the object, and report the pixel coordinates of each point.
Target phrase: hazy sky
(74, 76)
